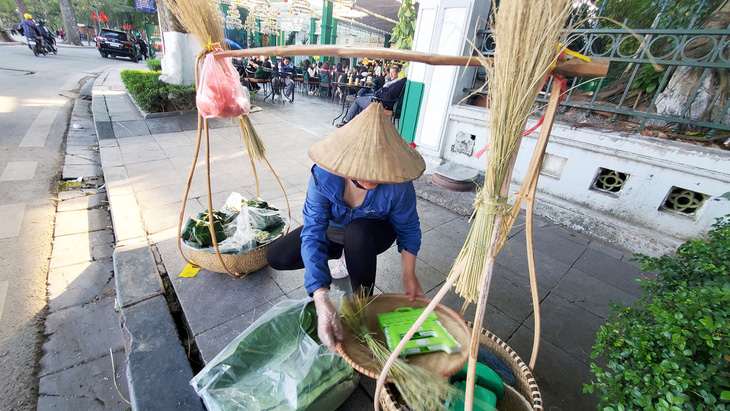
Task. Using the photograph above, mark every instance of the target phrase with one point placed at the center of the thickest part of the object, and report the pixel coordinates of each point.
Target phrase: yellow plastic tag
(563, 49)
(189, 271)
(576, 54)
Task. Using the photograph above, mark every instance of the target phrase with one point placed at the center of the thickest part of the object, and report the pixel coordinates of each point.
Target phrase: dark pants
(364, 240)
(288, 85)
(360, 104)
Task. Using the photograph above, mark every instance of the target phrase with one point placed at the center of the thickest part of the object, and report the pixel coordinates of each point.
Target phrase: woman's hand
(329, 329)
(412, 287)
(410, 282)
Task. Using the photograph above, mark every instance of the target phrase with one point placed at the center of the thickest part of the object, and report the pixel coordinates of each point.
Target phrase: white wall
(632, 218)
(442, 27)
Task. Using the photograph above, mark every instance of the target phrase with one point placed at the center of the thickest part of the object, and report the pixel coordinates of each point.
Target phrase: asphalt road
(36, 98)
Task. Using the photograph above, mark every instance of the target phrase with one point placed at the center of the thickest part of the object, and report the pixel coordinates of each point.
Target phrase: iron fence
(632, 88)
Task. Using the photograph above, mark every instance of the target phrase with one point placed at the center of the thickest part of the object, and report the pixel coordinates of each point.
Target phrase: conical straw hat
(369, 148)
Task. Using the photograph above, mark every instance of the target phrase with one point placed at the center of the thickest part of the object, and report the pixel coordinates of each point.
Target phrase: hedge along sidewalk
(669, 350)
(153, 96)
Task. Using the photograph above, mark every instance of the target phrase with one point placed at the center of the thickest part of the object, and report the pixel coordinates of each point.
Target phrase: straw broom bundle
(199, 18)
(526, 36)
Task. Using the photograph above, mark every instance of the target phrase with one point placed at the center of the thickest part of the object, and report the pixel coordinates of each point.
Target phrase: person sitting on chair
(313, 73)
(286, 74)
(250, 72)
(388, 94)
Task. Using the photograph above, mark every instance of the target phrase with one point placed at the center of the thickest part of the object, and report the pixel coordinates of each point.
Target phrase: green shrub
(155, 96)
(670, 350)
(154, 65)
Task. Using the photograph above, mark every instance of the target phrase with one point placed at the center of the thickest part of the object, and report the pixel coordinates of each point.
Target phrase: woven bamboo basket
(242, 265)
(524, 396)
(361, 359)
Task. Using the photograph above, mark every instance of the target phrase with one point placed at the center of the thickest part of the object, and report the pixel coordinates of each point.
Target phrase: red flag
(94, 16)
(125, 26)
(130, 27)
(103, 17)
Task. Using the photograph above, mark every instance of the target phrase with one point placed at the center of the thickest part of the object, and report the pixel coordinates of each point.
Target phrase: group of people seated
(387, 94)
(384, 86)
(281, 75)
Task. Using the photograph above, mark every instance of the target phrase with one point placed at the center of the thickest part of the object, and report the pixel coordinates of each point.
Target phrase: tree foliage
(405, 29)
(118, 12)
(669, 351)
(640, 14)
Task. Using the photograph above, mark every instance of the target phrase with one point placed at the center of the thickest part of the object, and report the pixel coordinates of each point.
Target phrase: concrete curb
(102, 121)
(157, 378)
(158, 369)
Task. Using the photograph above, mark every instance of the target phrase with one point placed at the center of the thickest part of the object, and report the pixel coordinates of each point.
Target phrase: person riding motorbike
(47, 35)
(30, 31)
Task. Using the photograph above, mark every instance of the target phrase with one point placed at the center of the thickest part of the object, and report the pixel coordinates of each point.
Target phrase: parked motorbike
(37, 47)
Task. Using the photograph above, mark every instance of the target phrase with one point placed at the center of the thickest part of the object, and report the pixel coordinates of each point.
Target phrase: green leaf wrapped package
(240, 226)
(277, 364)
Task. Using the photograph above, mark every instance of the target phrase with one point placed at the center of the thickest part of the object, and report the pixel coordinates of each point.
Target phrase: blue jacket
(286, 69)
(30, 30)
(324, 205)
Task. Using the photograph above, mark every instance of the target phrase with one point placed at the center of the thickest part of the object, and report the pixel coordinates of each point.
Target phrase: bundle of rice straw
(420, 389)
(527, 35)
(199, 18)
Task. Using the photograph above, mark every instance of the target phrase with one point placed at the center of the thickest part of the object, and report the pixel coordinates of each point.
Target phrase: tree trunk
(69, 22)
(4, 35)
(714, 90)
(179, 49)
(168, 21)
(22, 8)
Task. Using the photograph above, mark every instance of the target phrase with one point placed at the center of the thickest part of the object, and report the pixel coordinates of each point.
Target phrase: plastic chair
(324, 84)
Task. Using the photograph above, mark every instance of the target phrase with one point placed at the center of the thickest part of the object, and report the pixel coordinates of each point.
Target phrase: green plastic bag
(277, 364)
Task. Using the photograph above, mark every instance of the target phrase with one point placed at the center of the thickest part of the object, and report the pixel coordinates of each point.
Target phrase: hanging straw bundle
(199, 18)
(526, 36)
(420, 389)
(221, 97)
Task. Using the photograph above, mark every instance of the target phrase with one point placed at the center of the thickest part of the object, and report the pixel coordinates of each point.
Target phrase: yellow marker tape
(211, 47)
(561, 49)
(189, 271)
(576, 54)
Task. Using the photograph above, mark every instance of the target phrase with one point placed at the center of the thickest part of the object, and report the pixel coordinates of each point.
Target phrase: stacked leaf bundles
(241, 225)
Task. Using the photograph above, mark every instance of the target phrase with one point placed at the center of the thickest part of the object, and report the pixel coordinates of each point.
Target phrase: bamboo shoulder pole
(597, 67)
(542, 140)
(484, 291)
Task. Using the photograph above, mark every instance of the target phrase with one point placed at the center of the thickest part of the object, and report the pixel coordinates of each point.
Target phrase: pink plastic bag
(220, 93)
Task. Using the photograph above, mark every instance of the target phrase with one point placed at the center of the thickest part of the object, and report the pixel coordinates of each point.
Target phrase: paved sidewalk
(145, 165)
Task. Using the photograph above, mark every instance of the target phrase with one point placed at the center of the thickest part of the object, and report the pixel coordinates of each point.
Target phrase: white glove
(329, 329)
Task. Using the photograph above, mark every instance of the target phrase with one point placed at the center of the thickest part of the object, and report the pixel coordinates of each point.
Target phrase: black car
(117, 43)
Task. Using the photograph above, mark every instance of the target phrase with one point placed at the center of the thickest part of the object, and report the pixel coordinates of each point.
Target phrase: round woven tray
(360, 357)
(241, 265)
(524, 396)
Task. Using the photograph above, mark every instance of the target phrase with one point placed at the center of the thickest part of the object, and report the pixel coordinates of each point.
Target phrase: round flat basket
(360, 357)
(241, 265)
(524, 396)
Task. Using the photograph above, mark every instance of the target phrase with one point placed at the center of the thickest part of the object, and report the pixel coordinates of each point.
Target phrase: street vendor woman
(360, 199)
